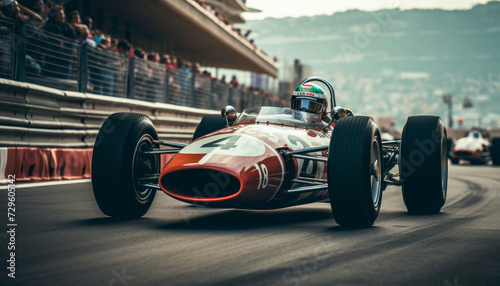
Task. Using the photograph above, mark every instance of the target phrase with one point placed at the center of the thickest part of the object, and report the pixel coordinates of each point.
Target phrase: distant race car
(476, 148)
(270, 158)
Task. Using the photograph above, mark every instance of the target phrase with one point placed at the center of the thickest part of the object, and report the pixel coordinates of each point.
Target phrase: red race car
(270, 158)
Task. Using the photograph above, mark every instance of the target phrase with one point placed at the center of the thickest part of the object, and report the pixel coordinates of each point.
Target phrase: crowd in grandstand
(55, 39)
(217, 14)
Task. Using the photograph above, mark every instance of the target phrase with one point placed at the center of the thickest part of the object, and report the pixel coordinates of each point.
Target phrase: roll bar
(325, 82)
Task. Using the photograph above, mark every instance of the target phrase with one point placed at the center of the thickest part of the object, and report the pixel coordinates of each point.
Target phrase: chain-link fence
(149, 80)
(220, 95)
(51, 59)
(180, 87)
(107, 72)
(202, 92)
(6, 49)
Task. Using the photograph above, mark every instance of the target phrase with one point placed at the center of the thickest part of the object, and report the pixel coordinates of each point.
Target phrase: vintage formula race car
(272, 157)
(476, 147)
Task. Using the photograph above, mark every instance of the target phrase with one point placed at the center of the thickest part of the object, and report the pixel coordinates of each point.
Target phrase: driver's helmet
(310, 98)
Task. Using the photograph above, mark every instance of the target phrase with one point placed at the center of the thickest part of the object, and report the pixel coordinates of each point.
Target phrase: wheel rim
(375, 172)
(444, 166)
(138, 169)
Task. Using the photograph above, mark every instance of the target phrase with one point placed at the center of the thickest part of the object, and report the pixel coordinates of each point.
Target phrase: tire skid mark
(274, 276)
(475, 194)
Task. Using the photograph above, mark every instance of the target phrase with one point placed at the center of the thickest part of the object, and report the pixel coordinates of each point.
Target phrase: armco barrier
(48, 134)
(37, 116)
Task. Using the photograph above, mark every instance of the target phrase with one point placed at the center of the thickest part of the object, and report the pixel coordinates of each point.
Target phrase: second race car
(476, 147)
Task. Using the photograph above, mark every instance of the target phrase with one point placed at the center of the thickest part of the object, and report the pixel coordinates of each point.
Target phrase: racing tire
(117, 164)
(495, 151)
(450, 147)
(455, 161)
(424, 164)
(355, 171)
(209, 123)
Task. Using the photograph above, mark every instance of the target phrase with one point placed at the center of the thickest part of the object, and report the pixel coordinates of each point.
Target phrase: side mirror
(337, 113)
(229, 113)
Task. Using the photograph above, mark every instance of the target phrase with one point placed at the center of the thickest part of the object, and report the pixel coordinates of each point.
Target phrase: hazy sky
(297, 8)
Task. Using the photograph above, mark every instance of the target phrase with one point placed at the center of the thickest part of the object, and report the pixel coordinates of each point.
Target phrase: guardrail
(36, 56)
(36, 116)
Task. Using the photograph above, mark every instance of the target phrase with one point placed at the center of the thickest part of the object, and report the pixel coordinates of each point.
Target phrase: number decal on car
(228, 145)
(263, 176)
(231, 140)
(307, 168)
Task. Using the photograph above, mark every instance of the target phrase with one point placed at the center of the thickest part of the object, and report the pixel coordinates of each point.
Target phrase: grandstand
(193, 33)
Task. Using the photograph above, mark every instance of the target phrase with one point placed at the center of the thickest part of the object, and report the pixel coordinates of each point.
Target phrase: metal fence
(6, 49)
(180, 87)
(107, 72)
(29, 54)
(50, 59)
(149, 80)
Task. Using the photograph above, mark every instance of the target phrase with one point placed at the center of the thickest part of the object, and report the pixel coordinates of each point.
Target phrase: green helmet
(310, 98)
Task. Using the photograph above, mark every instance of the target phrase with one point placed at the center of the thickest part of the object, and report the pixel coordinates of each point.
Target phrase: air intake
(200, 184)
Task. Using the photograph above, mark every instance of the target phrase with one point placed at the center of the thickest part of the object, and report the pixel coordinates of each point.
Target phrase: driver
(310, 98)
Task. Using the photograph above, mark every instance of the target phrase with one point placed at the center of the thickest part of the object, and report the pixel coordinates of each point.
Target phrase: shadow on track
(250, 219)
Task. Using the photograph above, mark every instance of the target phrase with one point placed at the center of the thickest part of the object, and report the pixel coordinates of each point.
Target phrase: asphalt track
(63, 239)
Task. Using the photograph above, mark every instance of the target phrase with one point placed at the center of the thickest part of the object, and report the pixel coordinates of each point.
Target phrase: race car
(271, 158)
(476, 148)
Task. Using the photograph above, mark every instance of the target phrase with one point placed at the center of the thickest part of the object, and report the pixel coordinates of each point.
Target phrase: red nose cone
(234, 170)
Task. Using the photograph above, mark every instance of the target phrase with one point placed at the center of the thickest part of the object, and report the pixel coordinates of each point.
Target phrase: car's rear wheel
(118, 163)
(355, 171)
(455, 161)
(495, 151)
(209, 123)
(424, 164)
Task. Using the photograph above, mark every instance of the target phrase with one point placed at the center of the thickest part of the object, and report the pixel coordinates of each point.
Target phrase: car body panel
(249, 153)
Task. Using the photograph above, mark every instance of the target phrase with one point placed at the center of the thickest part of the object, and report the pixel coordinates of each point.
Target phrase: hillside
(409, 56)
(411, 40)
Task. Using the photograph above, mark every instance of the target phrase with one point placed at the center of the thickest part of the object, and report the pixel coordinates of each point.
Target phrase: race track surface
(63, 239)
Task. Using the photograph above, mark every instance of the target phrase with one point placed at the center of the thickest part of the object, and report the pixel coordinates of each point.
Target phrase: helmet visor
(308, 106)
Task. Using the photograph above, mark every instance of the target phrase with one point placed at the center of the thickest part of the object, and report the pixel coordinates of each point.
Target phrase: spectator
(173, 59)
(154, 57)
(223, 79)
(101, 72)
(57, 24)
(59, 52)
(138, 52)
(33, 10)
(103, 44)
(234, 82)
(124, 48)
(84, 32)
(247, 33)
(8, 11)
(196, 69)
(74, 19)
(89, 22)
(114, 45)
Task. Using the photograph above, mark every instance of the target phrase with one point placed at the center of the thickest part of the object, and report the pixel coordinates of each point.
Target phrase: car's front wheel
(355, 171)
(119, 163)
